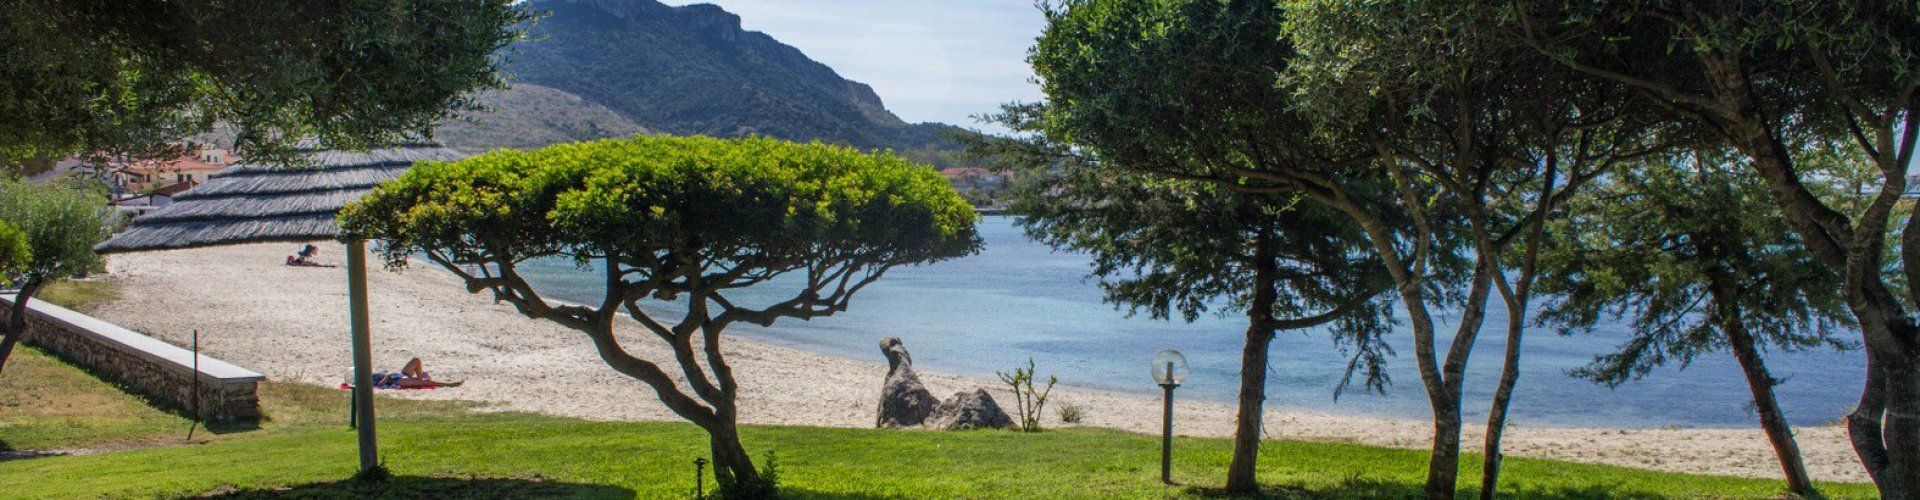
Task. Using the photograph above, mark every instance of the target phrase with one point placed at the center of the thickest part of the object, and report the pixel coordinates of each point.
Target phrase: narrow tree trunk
(1247, 428)
(1443, 469)
(1761, 382)
(17, 320)
(1241, 473)
(1502, 396)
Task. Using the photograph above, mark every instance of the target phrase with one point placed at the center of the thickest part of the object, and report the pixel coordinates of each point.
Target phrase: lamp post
(1169, 369)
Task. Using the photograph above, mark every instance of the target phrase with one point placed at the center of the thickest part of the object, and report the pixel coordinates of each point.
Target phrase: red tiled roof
(952, 171)
(182, 164)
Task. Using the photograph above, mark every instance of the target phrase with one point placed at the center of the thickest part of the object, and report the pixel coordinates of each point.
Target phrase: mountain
(530, 116)
(693, 70)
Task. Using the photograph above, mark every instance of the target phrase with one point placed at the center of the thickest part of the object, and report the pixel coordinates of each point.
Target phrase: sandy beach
(290, 323)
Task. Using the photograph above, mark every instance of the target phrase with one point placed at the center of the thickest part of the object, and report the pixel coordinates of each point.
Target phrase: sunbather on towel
(414, 376)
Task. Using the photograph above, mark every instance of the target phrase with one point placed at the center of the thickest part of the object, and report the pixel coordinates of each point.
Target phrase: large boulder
(969, 410)
(904, 401)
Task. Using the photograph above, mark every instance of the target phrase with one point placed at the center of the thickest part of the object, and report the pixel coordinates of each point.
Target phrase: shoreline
(290, 324)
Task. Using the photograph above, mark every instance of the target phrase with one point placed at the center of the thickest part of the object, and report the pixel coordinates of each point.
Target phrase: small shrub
(377, 475)
(1072, 413)
(767, 487)
(1027, 401)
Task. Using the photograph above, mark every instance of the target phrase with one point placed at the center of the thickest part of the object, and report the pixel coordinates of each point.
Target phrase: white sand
(290, 323)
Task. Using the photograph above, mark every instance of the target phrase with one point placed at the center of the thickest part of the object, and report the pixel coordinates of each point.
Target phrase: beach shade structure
(261, 203)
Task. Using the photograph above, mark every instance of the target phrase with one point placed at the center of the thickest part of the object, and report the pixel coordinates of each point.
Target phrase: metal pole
(700, 477)
(195, 386)
(1166, 432)
(362, 353)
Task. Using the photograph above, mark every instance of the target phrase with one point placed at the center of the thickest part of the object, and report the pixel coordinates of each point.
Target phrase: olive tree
(1757, 76)
(1441, 148)
(53, 228)
(1178, 248)
(119, 76)
(681, 223)
(1501, 133)
(1693, 254)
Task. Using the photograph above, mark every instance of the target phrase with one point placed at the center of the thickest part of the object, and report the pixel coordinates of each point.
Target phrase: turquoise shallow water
(1019, 299)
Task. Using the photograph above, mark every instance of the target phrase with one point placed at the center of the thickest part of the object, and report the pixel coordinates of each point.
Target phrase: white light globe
(1169, 367)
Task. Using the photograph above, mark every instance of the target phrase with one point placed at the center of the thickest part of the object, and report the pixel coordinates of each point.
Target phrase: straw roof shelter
(256, 203)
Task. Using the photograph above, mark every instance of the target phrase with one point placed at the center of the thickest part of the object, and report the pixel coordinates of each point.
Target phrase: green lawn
(448, 450)
(79, 295)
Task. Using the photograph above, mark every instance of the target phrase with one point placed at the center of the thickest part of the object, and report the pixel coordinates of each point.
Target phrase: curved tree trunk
(17, 320)
(1443, 468)
(732, 467)
(1901, 431)
(1502, 396)
(1761, 382)
(1241, 473)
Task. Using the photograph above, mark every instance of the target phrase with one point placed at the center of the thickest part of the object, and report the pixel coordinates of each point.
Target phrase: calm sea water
(1019, 299)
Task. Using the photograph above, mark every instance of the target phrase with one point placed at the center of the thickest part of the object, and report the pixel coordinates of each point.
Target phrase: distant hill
(693, 70)
(530, 116)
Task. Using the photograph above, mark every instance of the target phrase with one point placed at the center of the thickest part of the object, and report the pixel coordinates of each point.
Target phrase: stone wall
(144, 365)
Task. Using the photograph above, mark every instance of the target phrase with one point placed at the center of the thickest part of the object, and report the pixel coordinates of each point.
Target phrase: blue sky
(930, 60)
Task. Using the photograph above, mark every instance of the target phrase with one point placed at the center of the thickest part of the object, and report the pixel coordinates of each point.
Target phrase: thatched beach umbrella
(257, 203)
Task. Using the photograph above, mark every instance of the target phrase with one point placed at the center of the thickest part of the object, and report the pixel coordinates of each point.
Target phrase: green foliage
(86, 76)
(14, 253)
(766, 486)
(1652, 243)
(1072, 413)
(770, 204)
(684, 221)
(59, 223)
(1029, 404)
(1172, 248)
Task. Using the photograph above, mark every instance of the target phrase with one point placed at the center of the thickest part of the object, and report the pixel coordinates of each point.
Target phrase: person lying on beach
(302, 262)
(414, 376)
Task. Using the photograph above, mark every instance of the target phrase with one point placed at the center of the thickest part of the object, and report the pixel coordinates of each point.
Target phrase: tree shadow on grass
(1373, 488)
(8, 453)
(791, 493)
(431, 487)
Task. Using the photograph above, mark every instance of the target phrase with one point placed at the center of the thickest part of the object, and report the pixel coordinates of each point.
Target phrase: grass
(49, 404)
(448, 450)
(79, 295)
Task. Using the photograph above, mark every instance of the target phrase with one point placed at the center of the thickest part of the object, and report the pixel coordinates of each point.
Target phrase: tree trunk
(17, 320)
(1887, 443)
(1241, 473)
(1761, 382)
(732, 467)
(1901, 433)
(1502, 396)
(1443, 469)
(1246, 432)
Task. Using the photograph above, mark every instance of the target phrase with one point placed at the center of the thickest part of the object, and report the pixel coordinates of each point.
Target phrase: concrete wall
(142, 364)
